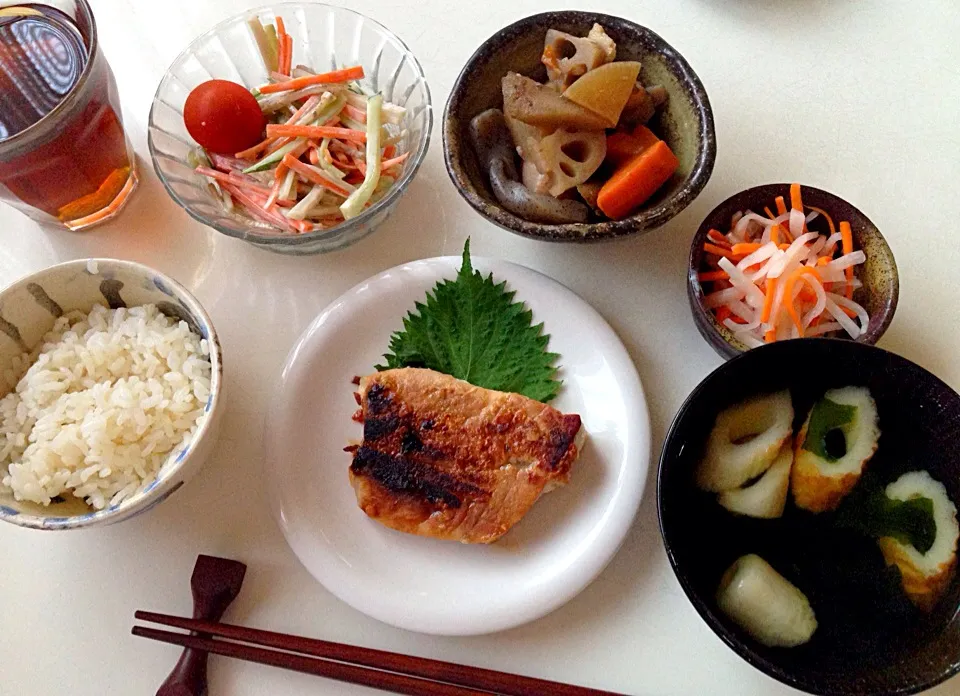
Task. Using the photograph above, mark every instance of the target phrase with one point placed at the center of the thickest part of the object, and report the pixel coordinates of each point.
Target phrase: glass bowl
(325, 37)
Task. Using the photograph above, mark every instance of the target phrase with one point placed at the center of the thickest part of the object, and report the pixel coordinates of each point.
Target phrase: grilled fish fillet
(445, 459)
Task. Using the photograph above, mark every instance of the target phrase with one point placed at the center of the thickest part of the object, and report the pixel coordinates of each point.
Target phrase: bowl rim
(643, 221)
(266, 239)
(695, 295)
(163, 486)
(702, 607)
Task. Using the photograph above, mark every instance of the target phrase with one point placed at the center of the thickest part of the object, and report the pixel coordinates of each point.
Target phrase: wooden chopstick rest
(215, 583)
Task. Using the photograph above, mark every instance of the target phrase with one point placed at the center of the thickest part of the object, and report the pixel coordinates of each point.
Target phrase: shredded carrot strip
(355, 113)
(335, 76)
(288, 54)
(314, 156)
(278, 174)
(770, 336)
(775, 234)
(299, 150)
(281, 44)
(823, 260)
(276, 129)
(768, 300)
(237, 180)
(308, 173)
(389, 152)
(796, 202)
(781, 205)
(276, 145)
(846, 236)
(788, 294)
(723, 312)
(252, 206)
(251, 153)
(708, 276)
(387, 164)
(744, 249)
(719, 251)
(254, 152)
(826, 216)
(717, 238)
(769, 212)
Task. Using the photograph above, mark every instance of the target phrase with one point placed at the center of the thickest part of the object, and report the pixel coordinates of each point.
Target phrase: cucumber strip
(263, 43)
(324, 164)
(353, 206)
(274, 47)
(274, 157)
(323, 112)
(198, 158)
(350, 123)
(300, 210)
(288, 187)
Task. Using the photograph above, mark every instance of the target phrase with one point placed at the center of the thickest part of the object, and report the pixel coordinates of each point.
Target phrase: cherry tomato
(223, 117)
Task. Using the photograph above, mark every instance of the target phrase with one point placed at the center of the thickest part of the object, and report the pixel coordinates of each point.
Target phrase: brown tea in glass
(64, 157)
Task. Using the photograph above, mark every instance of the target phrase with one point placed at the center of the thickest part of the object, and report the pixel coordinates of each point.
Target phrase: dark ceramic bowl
(685, 123)
(870, 639)
(881, 284)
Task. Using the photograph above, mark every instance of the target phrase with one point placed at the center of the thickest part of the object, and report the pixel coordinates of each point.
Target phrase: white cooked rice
(107, 398)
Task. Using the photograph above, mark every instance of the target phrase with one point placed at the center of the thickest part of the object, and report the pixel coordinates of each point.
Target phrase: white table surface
(859, 97)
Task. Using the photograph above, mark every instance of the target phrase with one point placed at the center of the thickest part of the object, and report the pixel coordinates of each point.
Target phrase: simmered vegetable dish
(581, 137)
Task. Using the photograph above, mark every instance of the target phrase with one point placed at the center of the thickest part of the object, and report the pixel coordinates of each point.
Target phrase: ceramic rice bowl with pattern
(31, 306)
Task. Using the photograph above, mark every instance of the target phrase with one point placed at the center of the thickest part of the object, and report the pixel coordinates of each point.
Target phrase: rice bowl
(109, 376)
(107, 398)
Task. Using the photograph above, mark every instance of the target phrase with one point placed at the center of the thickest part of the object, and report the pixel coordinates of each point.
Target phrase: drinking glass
(64, 157)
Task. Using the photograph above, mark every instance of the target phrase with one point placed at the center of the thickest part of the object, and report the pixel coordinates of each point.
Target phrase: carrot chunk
(637, 180)
(621, 147)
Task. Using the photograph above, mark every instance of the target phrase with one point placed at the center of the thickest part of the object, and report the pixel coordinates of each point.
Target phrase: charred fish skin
(446, 459)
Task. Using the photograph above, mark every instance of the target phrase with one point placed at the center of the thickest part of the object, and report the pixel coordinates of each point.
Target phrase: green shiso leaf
(869, 511)
(827, 416)
(471, 328)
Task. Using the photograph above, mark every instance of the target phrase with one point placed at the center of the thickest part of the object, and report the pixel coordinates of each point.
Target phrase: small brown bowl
(881, 284)
(685, 123)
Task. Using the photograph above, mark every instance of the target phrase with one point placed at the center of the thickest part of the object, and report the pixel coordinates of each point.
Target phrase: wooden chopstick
(352, 674)
(471, 680)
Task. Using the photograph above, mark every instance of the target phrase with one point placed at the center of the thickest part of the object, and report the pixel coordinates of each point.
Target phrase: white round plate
(443, 587)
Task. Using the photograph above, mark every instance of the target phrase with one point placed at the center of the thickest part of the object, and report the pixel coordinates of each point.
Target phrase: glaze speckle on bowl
(881, 284)
(685, 123)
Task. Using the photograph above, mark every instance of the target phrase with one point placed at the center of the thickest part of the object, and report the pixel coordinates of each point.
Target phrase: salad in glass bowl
(293, 143)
